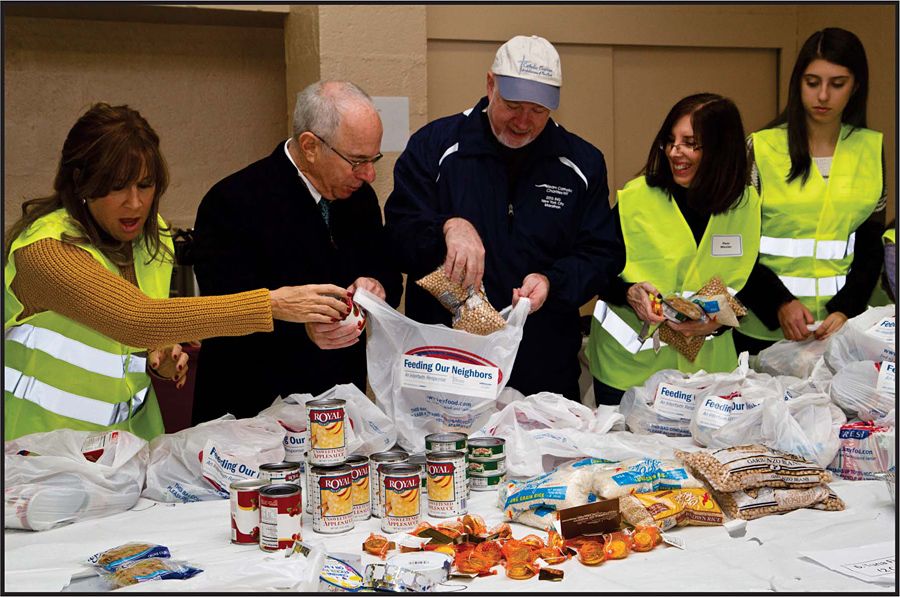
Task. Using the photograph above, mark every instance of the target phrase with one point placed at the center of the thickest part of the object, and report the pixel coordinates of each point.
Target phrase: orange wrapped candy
(591, 553)
(377, 545)
(645, 538)
(468, 561)
(617, 545)
(533, 541)
(502, 530)
(552, 555)
(474, 524)
(521, 570)
(452, 528)
(515, 550)
(554, 539)
(421, 527)
(491, 550)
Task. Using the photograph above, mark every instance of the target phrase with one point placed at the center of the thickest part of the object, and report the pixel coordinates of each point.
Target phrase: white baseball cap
(527, 69)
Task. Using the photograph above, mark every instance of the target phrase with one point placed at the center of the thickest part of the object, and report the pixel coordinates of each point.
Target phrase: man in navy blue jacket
(503, 194)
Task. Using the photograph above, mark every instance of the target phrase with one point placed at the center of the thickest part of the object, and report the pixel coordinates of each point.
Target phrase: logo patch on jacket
(555, 198)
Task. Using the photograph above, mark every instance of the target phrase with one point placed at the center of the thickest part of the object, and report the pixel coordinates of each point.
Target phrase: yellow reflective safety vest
(808, 230)
(660, 248)
(59, 373)
(889, 236)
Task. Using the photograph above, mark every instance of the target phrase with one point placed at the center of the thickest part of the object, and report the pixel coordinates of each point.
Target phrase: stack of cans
(486, 462)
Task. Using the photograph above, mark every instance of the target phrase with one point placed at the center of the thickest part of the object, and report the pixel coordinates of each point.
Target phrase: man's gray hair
(319, 106)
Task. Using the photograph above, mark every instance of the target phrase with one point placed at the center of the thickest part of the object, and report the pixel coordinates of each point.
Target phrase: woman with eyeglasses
(87, 273)
(820, 175)
(690, 216)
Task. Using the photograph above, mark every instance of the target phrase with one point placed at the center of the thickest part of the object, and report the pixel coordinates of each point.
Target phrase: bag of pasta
(472, 312)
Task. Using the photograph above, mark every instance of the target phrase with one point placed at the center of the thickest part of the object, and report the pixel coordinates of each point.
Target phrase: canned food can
(486, 482)
(400, 488)
(445, 442)
(280, 520)
(326, 443)
(486, 448)
(419, 461)
(331, 495)
(487, 467)
(280, 472)
(447, 491)
(375, 461)
(245, 510)
(361, 494)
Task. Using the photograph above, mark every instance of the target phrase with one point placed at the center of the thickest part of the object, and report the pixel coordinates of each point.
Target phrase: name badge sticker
(727, 245)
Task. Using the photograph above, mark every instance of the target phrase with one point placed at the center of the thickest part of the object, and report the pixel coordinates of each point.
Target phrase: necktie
(325, 208)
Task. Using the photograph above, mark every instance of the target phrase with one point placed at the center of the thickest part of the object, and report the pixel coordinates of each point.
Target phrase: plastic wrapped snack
(762, 501)
(472, 312)
(751, 466)
(563, 487)
(150, 569)
(640, 475)
(116, 557)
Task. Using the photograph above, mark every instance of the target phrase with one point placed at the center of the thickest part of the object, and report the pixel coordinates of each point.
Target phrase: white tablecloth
(766, 558)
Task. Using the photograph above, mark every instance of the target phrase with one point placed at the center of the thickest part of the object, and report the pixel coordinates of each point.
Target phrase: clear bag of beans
(472, 312)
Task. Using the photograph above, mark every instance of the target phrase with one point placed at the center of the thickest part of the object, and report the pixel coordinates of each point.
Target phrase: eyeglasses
(355, 165)
(690, 146)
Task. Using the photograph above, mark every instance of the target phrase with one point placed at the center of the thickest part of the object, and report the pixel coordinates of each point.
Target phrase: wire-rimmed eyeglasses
(354, 164)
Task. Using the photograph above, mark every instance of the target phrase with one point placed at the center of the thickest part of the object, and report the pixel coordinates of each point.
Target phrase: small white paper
(726, 245)
(870, 563)
(394, 112)
(673, 540)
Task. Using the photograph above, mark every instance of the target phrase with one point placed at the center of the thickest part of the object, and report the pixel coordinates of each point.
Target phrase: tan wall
(218, 82)
(214, 94)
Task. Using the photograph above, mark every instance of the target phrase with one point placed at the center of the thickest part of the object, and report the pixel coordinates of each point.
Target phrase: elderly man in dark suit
(304, 214)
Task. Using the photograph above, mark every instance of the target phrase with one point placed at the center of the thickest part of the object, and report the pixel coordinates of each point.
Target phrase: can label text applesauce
(326, 444)
(331, 496)
(401, 497)
(375, 462)
(446, 474)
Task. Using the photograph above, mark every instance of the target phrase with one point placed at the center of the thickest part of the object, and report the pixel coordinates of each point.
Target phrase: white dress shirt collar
(316, 195)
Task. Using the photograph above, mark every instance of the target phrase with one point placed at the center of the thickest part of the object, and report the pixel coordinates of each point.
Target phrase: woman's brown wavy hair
(110, 147)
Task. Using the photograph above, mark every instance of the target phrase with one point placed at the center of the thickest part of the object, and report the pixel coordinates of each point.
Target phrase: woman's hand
(170, 362)
(311, 303)
(794, 318)
(695, 328)
(638, 296)
(329, 336)
(370, 284)
(832, 323)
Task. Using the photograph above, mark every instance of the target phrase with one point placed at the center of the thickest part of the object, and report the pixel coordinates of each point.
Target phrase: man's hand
(465, 253)
(638, 297)
(794, 317)
(832, 324)
(331, 336)
(370, 284)
(535, 287)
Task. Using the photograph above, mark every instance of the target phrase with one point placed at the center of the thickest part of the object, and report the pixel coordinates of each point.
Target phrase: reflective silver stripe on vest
(807, 286)
(70, 405)
(77, 353)
(807, 247)
(616, 327)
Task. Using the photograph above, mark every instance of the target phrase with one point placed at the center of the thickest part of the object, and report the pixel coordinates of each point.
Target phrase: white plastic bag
(865, 389)
(63, 476)
(369, 429)
(200, 463)
(867, 448)
(866, 337)
(430, 378)
(722, 420)
(559, 429)
(787, 357)
(808, 426)
(663, 404)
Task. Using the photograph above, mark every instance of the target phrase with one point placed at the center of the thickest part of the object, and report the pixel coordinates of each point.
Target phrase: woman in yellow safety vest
(820, 175)
(87, 269)
(690, 216)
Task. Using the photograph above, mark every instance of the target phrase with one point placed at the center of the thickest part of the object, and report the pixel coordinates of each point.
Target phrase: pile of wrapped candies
(476, 550)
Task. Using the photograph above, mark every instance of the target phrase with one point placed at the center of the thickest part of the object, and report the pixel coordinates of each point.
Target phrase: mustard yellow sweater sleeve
(55, 276)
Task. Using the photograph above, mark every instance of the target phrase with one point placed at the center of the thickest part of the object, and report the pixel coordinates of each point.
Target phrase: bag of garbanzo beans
(472, 312)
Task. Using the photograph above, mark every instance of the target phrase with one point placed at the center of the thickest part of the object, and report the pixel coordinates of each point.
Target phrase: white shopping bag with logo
(63, 476)
(431, 378)
(869, 336)
(200, 463)
(368, 429)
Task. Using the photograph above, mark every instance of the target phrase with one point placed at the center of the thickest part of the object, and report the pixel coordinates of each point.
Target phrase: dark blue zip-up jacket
(557, 223)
